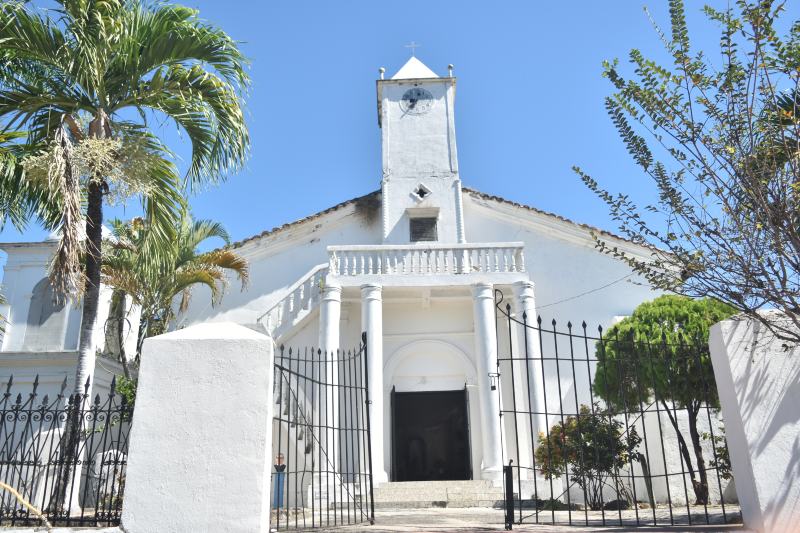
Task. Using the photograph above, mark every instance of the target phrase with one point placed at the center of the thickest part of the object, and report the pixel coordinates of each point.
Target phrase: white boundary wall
(201, 443)
(758, 377)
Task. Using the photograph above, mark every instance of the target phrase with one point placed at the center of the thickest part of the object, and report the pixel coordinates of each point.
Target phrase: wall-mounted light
(494, 378)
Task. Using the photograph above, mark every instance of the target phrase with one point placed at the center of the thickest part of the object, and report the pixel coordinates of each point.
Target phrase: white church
(415, 264)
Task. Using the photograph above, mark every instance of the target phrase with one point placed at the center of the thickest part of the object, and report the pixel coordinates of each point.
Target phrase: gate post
(508, 481)
(200, 448)
(757, 379)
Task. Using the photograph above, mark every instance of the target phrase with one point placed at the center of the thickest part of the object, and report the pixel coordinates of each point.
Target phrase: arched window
(46, 319)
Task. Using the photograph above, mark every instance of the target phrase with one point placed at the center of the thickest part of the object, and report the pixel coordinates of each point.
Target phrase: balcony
(428, 263)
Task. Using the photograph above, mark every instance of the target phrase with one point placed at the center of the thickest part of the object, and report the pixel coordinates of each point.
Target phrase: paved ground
(467, 520)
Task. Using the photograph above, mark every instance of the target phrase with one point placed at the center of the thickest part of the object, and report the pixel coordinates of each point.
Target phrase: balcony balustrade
(429, 258)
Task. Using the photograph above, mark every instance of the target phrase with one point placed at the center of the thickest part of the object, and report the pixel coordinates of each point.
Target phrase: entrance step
(425, 494)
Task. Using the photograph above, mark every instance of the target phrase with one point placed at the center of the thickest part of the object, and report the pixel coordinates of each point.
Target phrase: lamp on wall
(494, 377)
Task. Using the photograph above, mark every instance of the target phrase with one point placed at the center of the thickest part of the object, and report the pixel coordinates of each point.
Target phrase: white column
(531, 368)
(372, 323)
(330, 311)
(486, 353)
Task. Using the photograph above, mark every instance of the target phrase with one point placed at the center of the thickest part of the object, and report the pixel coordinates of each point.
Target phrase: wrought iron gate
(321, 439)
(609, 431)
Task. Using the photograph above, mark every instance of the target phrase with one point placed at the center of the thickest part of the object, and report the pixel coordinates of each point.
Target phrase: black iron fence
(609, 429)
(63, 454)
(321, 439)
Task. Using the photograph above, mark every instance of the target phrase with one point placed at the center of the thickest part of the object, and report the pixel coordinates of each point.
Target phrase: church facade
(418, 265)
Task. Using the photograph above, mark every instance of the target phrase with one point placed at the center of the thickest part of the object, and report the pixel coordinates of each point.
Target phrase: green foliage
(591, 447)
(127, 389)
(722, 457)
(658, 351)
(718, 133)
(660, 354)
(85, 81)
(154, 281)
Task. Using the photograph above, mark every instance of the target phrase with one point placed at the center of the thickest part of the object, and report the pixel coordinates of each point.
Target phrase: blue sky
(529, 101)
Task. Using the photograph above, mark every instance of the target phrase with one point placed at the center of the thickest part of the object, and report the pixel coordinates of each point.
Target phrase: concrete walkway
(444, 520)
(435, 520)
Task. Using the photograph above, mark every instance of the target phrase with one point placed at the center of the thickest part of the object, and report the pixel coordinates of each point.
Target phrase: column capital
(523, 290)
(483, 290)
(371, 291)
(332, 292)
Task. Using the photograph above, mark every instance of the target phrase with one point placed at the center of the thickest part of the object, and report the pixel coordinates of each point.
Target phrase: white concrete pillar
(372, 324)
(486, 353)
(525, 303)
(330, 312)
(462, 238)
(756, 375)
(200, 452)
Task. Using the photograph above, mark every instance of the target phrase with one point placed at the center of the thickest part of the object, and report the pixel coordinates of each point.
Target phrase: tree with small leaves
(591, 447)
(659, 355)
(719, 135)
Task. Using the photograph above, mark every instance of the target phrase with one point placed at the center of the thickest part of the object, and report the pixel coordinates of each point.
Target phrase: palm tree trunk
(68, 487)
(91, 297)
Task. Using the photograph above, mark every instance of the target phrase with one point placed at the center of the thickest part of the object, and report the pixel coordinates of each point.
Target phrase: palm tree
(156, 287)
(21, 200)
(86, 81)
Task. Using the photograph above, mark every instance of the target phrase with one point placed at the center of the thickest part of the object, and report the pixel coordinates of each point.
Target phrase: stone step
(433, 484)
(427, 494)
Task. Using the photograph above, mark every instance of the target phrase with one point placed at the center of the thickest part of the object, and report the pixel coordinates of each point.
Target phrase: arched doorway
(429, 409)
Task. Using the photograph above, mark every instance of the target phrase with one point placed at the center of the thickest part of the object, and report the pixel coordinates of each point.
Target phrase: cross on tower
(413, 47)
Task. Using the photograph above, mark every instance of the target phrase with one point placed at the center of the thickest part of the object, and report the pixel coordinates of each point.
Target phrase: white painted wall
(26, 265)
(278, 260)
(758, 377)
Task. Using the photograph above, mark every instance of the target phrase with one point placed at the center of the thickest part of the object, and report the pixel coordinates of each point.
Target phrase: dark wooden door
(430, 437)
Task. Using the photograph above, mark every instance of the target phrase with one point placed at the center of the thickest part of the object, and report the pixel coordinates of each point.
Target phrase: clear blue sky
(529, 101)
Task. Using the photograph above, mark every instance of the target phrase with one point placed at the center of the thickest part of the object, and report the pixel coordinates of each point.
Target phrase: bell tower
(421, 189)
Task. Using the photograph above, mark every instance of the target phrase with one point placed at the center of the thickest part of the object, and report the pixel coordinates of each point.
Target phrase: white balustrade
(426, 259)
(301, 296)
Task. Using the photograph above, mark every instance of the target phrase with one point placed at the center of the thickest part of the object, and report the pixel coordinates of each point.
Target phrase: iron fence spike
(10, 382)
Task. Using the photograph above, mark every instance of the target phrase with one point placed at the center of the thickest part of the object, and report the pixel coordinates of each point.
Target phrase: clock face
(416, 101)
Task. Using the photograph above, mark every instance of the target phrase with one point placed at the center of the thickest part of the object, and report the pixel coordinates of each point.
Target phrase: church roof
(414, 69)
(375, 197)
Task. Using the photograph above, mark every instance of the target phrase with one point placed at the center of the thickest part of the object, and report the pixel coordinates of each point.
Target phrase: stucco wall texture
(758, 377)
